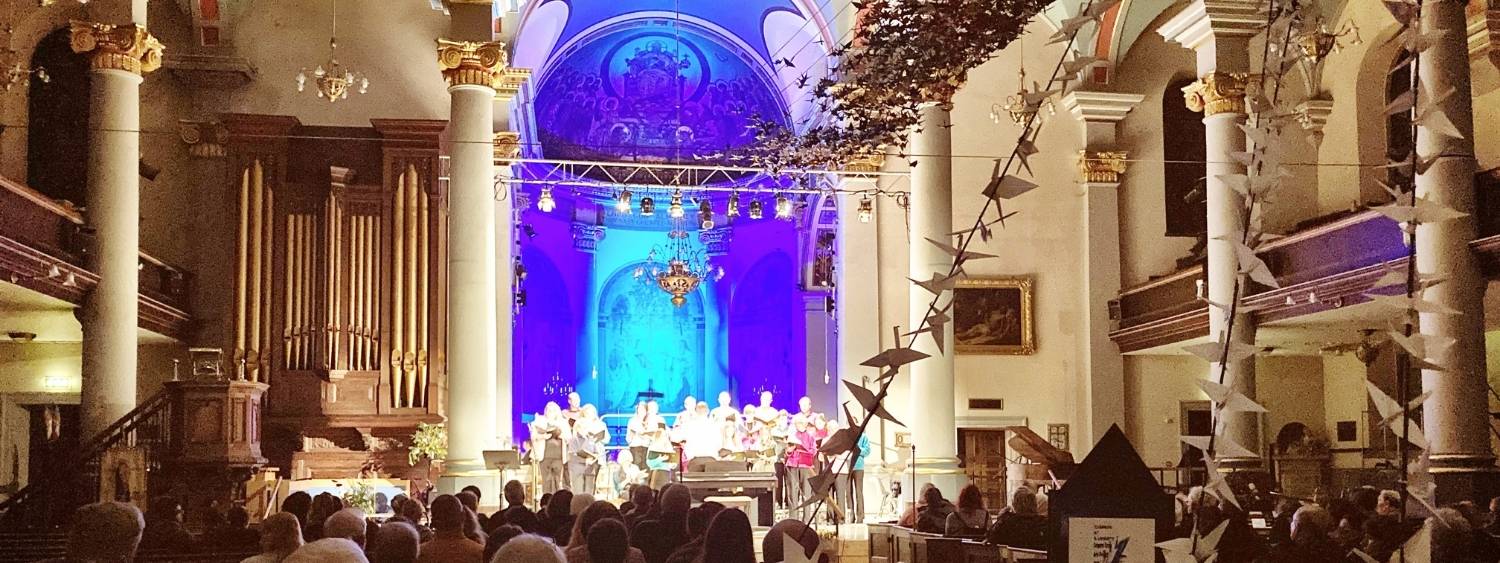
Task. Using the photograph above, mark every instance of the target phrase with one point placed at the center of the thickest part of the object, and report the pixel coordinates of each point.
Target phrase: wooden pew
(893, 544)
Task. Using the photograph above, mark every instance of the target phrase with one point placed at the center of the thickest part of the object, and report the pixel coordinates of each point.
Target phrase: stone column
(471, 69)
(1100, 169)
(931, 412)
(118, 57)
(1456, 418)
(1219, 32)
(857, 268)
(507, 145)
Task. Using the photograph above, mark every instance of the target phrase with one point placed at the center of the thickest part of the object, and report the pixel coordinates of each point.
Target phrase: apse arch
(546, 334)
(645, 343)
(766, 333)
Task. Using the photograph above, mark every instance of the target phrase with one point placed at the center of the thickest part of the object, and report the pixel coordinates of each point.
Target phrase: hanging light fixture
(783, 207)
(648, 206)
(686, 266)
(757, 209)
(866, 209)
(675, 209)
(1021, 106)
(622, 202)
(732, 209)
(1314, 41)
(705, 214)
(544, 202)
(332, 78)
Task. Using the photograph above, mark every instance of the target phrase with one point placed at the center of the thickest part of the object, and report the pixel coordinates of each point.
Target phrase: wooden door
(982, 455)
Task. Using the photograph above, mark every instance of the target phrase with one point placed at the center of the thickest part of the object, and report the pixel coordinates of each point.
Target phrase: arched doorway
(57, 141)
(646, 343)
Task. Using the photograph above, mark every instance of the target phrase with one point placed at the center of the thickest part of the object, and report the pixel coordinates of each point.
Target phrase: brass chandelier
(685, 268)
(332, 79)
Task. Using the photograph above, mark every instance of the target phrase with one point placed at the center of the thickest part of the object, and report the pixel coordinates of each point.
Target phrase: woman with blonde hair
(280, 535)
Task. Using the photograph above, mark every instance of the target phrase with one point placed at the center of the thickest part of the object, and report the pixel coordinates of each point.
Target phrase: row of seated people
(654, 527)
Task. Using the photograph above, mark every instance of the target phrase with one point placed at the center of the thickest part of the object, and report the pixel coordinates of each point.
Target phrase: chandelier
(685, 267)
(1315, 41)
(332, 78)
(1024, 104)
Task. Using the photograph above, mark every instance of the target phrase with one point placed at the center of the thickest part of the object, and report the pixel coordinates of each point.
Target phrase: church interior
(1174, 279)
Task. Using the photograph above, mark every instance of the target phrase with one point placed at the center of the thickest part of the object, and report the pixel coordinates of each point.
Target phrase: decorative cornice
(1217, 92)
(125, 47)
(509, 83)
(1201, 21)
(1104, 107)
(1102, 167)
(716, 241)
(1313, 115)
(205, 139)
(865, 163)
(507, 145)
(471, 63)
(586, 237)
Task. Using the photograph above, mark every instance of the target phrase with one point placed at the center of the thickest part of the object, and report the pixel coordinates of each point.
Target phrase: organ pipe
(242, 251)
(410, 361)
(257, 229)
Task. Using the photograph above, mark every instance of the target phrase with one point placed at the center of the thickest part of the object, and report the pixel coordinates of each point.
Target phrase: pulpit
(215, 445)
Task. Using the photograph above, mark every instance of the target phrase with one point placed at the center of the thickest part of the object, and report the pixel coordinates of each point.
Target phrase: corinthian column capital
(471, 63)
(117, 47)
(1217, 92)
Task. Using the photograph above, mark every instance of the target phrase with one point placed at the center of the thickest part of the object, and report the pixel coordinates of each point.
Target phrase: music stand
(502, 460)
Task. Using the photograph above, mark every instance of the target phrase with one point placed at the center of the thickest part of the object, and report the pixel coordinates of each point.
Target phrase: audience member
(323, 506)
(412, 512)
(1385, 531)
(280, 535)
(909, 518)
(528, 548)
(472, 528)
(698, 519)
(448, 542)
(772, 547)
(668, 530)
(347, 523)
(523, 518)
(558, 522)
(728, 539)
(1452, 539)
(104, 532)
(1310, 542)
(328, 550)
(164, 530)
(971, 519)
(642, 499)
(234, 535)
(1020, 525)
(578, 546)
(498, 537)
(396, 542)
(933, 516)
(542, 504)
(580, 503)
(298, 504)
(607, 542)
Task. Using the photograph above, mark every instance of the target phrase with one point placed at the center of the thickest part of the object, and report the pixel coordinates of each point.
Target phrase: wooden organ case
(340, 301)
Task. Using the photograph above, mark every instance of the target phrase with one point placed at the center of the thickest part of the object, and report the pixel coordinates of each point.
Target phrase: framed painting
(994, 316)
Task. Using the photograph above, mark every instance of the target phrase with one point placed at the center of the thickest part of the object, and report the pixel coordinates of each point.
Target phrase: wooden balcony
(43, 247)
(1329, 264)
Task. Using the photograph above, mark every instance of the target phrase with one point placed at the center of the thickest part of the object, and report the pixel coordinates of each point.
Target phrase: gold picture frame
(994, 316)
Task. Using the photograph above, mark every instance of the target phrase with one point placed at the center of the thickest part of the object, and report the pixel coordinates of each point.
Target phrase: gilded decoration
(124, 47)
(471, 63)
(1102, 167)
(865, 163)
(1218, 92)
(507, 145)
(205, 139)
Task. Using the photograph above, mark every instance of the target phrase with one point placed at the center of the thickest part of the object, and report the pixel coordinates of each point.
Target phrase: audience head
(515, 493)
(926, 490)
(700, 516)
(280, 533)
(328, 550)
(448, 514)
(523, 518)
(596, 511)
(413, 511)
(478, 495)
(1451, 535)
(1310, 524)
(298, 504)
(933, 496)
(396, 542)
(580, 502)
(237, 517)
(560, 505)
(728, 539)
(1023, 501)
(1365, 499)
(771, 546)
(528, 548)
(643, 497)
(498, 537)
(676, 499)
(607, 542)
(468, 499)
(969, 498)
(542, 504)
(1389, 503)
(105, 531)
(347, 523)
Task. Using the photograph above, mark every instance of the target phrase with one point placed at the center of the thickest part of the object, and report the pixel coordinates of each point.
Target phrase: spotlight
(705, 214)
(622, 203)
(545, 202)
(529, 230)
(866, 209)
(732, 210)
(757, 209)
(648, 206)
(783, 207)
(675, 210)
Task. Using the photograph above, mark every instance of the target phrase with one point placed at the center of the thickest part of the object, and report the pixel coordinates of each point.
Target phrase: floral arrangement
(429, 441)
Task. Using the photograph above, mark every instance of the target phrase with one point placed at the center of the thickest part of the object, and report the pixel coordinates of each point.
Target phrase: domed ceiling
(652, 90)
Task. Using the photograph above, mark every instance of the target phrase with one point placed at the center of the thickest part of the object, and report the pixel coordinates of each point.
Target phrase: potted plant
(428, 444)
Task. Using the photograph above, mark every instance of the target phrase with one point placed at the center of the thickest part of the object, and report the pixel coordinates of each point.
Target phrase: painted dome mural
(652, 91)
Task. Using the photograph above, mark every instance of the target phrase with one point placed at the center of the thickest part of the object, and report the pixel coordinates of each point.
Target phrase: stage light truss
(603, 180)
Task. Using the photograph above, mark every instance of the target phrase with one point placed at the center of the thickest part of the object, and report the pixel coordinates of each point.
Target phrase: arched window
(57, 141)
(1184, 151)
(1398, 134)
